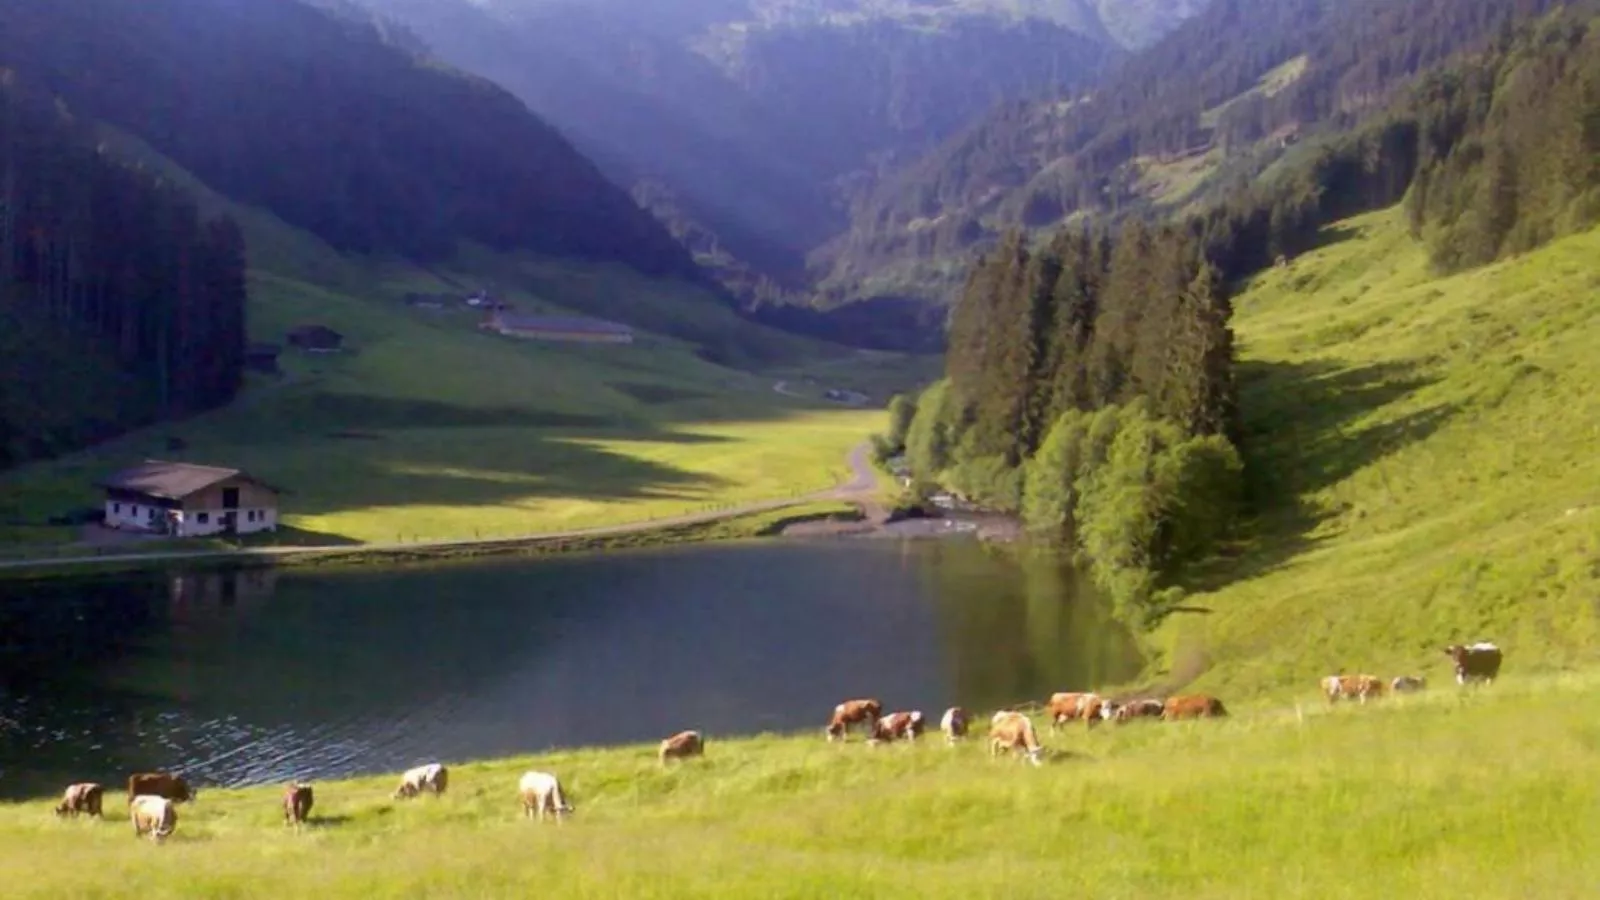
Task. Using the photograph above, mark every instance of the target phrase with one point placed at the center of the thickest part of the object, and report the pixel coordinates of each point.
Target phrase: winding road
(860, 489)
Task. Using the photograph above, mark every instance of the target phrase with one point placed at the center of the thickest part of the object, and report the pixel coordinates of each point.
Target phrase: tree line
(113, 265)
(1089, 388)
(1492, 154)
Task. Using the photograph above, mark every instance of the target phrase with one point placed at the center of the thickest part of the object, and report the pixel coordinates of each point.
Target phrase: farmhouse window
(203, 518)
(150, 514)
(116, 508)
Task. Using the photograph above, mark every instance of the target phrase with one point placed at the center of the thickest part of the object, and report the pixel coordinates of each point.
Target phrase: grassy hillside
(1424, 456)
(1414, 797)
(431, 428)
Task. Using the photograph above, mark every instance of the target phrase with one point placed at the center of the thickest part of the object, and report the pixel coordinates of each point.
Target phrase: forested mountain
(1193, 118)
(117, 302)
(120, 305)
(1089, 380)
(332, 126)
(746, 125)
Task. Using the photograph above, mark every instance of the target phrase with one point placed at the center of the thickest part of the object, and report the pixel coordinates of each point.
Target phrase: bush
(1135, 497)
(902, 410)
(932, 432)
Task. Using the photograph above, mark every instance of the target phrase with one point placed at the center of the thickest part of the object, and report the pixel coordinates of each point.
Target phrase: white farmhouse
(186, 500)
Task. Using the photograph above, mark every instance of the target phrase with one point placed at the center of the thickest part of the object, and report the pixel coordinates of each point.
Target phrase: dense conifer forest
(121, 304)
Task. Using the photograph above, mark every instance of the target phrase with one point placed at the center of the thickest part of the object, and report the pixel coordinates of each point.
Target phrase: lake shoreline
(735, 525)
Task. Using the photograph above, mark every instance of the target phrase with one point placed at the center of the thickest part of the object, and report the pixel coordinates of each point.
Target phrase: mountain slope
(332, 127)
(1195, 117)
(1420, 441)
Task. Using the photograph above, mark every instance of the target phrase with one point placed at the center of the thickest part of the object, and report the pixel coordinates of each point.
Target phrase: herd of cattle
(152, 797)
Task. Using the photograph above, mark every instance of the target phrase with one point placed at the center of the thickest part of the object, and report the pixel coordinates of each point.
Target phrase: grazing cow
(152, 815)
(542, 792)
(431, 777)
(1406, 684)
(1192, 706)
(897, 726)
(682, 745)
(1136, 709)
(297, 800)
(1014, 731)
(161, 784)
(1065, 707)
(852, 712)
(81, 798)
(1478, 662)
(954, 724)
(1358, 687)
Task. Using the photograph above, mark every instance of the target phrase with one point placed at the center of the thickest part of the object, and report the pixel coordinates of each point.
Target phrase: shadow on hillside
(1301, 436)
(1329, 236)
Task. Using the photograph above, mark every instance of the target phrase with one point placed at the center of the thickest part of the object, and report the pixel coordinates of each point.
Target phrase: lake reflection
(260, 675)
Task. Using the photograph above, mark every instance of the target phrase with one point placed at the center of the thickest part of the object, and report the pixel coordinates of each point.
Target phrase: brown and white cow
(541, 792)
(1192, 706)
(161, 784)
(1352, 687)
(1144, 708)
(1065, 707)
(1407, 684)
(432, 777)
(152, 815)
(897, 726)
(863, 712)
(954, 724)
(1014, 731)
(1476, 662)
(297, 801)
(85, 797)
(682, 745)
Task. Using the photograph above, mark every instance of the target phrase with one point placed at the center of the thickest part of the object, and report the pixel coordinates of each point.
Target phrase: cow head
(405, 791)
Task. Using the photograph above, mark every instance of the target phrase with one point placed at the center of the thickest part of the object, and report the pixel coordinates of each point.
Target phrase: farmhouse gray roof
(173, 480)
(562, 323)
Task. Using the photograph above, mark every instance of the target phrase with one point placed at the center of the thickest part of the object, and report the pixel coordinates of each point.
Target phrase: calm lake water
(259, 675)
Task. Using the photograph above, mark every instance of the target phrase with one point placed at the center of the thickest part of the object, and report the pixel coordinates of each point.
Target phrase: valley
(1266, 326)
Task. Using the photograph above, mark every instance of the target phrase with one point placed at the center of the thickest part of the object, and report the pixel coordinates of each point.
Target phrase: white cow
(431, 777)
(954, 724)
(152, 815)
(541, 792)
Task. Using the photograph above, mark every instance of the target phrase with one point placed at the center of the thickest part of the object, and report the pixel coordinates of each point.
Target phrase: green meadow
(1422, 456)
(1446, 794)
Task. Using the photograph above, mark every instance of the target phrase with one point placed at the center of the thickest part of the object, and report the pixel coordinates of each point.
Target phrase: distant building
(262, 358)
(187, 500)
(316, 339)
(559, 328)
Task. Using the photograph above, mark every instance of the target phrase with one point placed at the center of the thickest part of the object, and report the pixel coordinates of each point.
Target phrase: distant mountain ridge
(750, 126)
